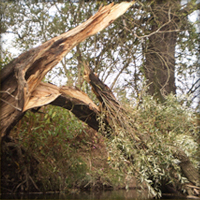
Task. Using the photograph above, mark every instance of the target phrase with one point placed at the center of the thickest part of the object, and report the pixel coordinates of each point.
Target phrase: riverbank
(53, 151)
(132, 194)
(121, 194)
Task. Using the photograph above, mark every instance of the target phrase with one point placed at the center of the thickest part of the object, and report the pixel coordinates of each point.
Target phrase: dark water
(103, 195)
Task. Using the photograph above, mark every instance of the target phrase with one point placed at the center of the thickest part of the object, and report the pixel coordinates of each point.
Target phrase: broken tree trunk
(114, 112)
(118, 119)
(21, 79)
(69, 98)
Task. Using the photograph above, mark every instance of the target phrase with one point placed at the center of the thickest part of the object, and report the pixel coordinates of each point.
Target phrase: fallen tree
(20, 79)
(22, 89)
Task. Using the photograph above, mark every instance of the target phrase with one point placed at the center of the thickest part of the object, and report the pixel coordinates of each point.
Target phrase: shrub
(144, 146)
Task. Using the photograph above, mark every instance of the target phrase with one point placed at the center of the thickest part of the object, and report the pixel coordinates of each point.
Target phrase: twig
(158, 30)
(19, 109)
(192, 197)
(34, 183)
(192, 186)
(7, 92)
(20, 185)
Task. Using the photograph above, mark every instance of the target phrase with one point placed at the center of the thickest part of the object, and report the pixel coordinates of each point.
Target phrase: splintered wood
(22, 77)
(52, 51)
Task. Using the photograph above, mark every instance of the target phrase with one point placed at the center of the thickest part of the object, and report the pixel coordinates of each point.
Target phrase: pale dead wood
(45, 93)
(79, 104)
(24, 74)
(77, 94)
(42, 95)
(54, 50)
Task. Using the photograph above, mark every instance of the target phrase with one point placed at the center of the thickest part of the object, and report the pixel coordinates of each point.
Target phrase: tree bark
(160, 53)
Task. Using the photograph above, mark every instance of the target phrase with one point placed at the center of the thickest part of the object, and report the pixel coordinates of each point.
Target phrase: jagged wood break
(21, 85)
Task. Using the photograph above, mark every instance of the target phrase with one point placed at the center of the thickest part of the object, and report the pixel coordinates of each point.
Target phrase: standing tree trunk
(160, 52)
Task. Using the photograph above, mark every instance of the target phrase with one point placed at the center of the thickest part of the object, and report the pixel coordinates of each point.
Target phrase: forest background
(151, 50)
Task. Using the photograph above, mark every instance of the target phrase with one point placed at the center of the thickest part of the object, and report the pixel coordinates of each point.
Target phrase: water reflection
(103, 195)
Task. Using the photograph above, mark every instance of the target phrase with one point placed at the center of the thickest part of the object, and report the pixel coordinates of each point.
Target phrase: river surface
(103, 195)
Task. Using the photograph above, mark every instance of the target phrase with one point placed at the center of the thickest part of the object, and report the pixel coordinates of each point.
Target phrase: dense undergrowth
(69, 156)
(146, 146)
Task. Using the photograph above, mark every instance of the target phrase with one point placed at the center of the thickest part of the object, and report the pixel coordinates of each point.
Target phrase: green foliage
(5, 59)
(145, 148)
(69, 154)
(50, 138)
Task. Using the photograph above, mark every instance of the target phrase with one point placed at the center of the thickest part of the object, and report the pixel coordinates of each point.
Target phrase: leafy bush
(70, 155)
(50, 136)
(144, 147)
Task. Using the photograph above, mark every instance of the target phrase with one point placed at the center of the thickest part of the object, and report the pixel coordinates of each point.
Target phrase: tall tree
(167, 20)
(166, 40)
(160, 51)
